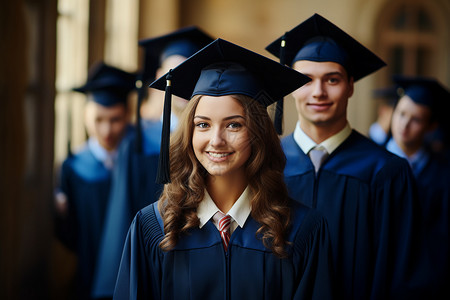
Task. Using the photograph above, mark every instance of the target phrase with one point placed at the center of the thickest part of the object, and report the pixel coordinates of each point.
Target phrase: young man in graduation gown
(365, 192)
(134, 179)
(226, 159)
(85, 176)
(416, 115)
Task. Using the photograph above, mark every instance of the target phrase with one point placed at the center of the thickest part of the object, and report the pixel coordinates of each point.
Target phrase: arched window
(88, 32)
(412, 38)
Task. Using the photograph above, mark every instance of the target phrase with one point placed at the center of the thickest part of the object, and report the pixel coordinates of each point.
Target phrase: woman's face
(220, 139)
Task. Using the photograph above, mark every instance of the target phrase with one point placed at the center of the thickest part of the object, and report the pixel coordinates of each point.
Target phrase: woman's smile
(221, 140)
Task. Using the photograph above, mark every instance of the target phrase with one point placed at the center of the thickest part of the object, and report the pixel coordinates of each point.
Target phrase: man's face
(323, 101)
(108, 123)
(410, 123)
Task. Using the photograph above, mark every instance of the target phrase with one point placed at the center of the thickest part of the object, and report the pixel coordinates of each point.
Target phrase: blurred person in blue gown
(379, 131)
(85, 177)
(419, 112)
(134, 179)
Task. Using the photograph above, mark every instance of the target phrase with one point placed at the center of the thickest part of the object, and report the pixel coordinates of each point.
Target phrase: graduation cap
(223, 68)
(317, 39)
(425, 91)
(388, 94)
(107, 84)
(184, 42)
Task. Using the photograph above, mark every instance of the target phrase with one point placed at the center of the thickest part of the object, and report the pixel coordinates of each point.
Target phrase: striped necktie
(223, 222)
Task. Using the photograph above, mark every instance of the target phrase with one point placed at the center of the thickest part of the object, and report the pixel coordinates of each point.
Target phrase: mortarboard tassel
(141, 94)
(69, 128)
(278, 122)
(163, 175)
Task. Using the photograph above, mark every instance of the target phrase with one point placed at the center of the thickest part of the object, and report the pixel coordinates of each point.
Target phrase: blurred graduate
(365, 192)
(224, 227)
(419, 112)
(379, 131)
(134, 179)
(85, 176)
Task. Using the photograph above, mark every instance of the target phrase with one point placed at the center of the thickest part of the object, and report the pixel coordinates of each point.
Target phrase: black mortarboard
(108, 85)
(317, 39)
(223, 68)
(425, 91)
(185, 42)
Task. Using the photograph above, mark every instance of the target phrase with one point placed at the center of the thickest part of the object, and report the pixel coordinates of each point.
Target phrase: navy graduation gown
(86, 183)
(133, 187)
(433, 184)
(199, 268)
(367, 196)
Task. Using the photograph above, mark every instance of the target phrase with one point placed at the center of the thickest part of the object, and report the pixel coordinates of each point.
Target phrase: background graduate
(365, 192)
(85, 176)
(134, 179)
(226, 178)
(379, 131)
(417, 114)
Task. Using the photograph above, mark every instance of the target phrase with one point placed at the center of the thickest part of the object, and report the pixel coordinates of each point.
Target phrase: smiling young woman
(260, 169)
(220, 138)
(224, 227)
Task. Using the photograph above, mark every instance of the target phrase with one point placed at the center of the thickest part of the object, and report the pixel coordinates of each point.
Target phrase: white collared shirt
(330, 144)
(108, 158)
(377, 134)
(239, 212)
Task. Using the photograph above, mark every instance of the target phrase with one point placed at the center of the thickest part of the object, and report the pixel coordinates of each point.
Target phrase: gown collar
(330, 144)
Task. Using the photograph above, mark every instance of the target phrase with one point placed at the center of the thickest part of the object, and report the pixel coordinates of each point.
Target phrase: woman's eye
(234, 125)
(201, 125)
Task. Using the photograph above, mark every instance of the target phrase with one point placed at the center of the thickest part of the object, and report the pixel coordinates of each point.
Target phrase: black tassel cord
(163, 175)
(278, 122)
(141, 95)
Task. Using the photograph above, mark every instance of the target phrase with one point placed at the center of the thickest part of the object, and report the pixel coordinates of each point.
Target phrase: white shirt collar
(377, 134)
(239, 212)
(330, 144)
(101, 154)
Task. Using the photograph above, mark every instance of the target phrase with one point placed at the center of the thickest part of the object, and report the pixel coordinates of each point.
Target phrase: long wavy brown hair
(264, 169)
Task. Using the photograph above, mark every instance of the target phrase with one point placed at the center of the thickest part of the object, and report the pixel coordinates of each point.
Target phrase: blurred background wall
(48, 45)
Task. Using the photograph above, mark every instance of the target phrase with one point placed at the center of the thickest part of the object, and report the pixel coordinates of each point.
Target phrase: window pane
(423, 61)
(397, 57)
(424, 22)
(399, 21)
